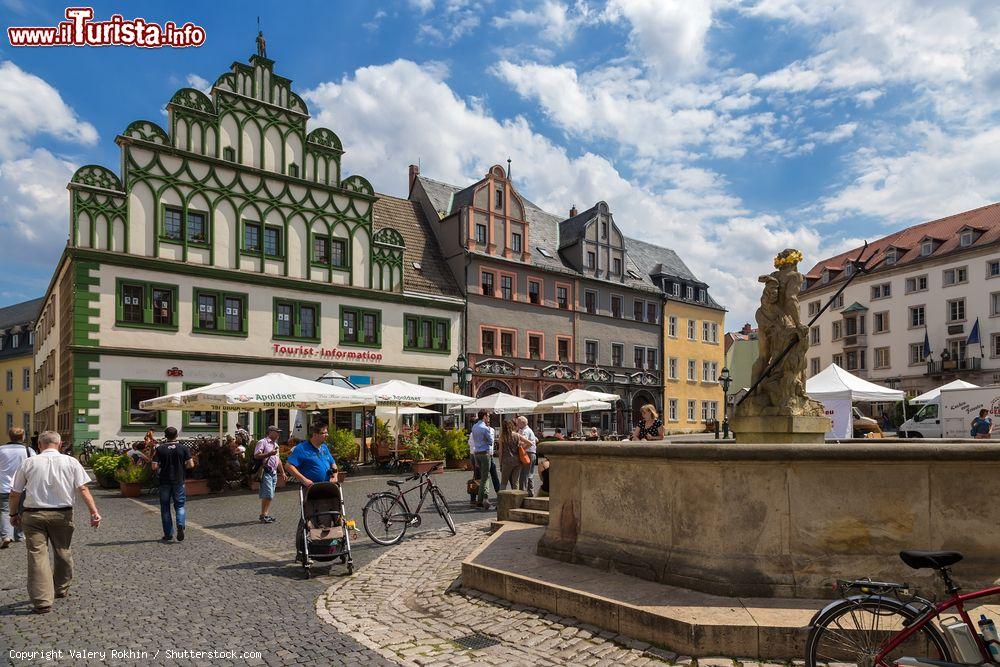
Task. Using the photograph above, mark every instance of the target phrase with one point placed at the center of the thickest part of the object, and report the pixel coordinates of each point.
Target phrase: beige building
(936, 281)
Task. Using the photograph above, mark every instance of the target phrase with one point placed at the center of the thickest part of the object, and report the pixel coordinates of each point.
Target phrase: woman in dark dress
(650, 425)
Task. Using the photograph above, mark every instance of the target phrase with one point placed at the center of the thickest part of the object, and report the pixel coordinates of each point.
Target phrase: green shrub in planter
(342, 444)
(132, 473)
(456, 444)
(434, 451)
(106, 464)
(382, 432)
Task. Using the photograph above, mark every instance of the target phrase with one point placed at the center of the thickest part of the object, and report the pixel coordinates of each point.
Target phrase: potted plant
(104, 465)
(131, 477)
(344, 448)
(456, 448)
(213, 464)
(427, 449)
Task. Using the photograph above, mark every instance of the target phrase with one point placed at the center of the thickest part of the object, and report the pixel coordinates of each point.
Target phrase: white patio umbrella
(931, 395)
(175, 400)
(401, 394)
(501, 404)
(576, 400)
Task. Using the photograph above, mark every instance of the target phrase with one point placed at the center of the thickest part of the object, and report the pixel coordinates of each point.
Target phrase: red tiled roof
(985, 219)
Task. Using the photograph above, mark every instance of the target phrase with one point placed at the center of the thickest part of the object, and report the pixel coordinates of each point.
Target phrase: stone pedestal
(507, 500)
(779, 429)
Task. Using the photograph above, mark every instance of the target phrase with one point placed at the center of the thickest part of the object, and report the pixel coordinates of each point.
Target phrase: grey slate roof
(20, 313)
(547, 231)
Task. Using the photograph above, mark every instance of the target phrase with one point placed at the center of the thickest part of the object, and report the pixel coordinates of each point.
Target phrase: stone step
(536, 504)
(537, 517)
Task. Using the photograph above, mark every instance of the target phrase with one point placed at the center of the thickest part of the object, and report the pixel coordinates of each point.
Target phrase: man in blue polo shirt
(311, 461)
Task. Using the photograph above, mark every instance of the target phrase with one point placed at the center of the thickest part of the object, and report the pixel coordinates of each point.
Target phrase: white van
(950, 415)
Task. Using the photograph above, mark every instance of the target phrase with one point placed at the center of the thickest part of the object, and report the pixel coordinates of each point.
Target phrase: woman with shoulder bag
(510, 459)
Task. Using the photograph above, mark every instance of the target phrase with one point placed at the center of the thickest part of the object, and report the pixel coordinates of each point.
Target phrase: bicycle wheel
(442, 507)
(385, 519)
(853, 631)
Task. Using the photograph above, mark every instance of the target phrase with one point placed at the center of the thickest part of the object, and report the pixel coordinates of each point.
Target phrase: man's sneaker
(167, 538)
(268, 519)
(261, 518)
(5, 544)
(486, 506)
(180, 533)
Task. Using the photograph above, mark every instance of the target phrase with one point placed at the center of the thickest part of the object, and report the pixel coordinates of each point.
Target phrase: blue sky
(727, 130)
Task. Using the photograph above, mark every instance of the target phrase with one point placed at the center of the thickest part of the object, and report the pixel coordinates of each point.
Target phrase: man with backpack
(12, 455)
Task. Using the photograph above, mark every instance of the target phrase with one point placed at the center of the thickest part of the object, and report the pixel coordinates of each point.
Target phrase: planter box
(254, 485)
(457, 464)
(420, 467)
(106, 481)
(130, 489)
(196, 487)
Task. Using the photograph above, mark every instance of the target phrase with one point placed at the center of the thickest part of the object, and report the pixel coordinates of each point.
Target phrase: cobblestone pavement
(409, 607)
(230, 586)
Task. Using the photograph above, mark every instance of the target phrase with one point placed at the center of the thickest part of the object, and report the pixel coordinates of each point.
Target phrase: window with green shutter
(360, 327)
(296, 320)
(427, 334)
(217, 312)
(145, 305)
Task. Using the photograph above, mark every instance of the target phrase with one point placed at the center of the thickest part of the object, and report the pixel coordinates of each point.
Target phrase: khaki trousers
(42, 529)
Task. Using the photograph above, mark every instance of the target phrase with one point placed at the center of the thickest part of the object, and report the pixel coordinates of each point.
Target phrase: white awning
(932, 395)
(834, 382)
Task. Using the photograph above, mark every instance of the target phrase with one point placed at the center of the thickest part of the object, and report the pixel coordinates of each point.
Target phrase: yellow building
(17, 341)
(694, 355)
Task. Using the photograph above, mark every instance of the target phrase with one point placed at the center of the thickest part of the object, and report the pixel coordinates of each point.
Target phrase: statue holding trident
(777, 408)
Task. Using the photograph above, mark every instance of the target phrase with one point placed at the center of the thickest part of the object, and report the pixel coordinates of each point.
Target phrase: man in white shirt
(530, 443)
(11, 456)
(49, 483)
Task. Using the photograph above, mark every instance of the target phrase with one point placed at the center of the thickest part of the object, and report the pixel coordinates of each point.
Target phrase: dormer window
(229, 154)
(890, 256)
(688, 292)
(825, 276)
(617, 264)
(965, 240)
(926, 248)
(515, 242)
(701, 294)
(604, 230)
(849, 269)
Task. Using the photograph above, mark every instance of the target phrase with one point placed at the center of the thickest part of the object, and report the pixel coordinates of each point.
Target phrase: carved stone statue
(261, 44)
(782, 392)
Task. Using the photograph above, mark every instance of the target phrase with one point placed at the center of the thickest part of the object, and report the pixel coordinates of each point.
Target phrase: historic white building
(937, 279)
(231, 245)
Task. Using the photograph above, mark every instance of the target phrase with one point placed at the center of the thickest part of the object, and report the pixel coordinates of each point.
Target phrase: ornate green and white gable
(238, 183)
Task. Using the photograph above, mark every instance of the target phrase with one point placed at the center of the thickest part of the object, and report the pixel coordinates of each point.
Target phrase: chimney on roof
(414, 172)
(572, 211)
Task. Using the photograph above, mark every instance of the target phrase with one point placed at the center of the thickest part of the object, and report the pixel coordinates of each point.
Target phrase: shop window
(135, 392)
(296, 320)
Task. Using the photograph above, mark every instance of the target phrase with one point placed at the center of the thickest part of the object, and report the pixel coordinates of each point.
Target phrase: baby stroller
(324, 533)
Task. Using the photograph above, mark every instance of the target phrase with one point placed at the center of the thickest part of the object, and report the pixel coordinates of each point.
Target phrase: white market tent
(576, 400)
(837, 390)
(932, 395)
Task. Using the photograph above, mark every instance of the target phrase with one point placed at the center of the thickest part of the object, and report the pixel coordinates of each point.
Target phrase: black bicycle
(387, 515)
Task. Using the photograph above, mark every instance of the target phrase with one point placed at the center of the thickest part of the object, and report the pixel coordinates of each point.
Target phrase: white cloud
(422, 6)
(30, 107)
(199, 83)
(941, 175)
(667, 34)
(402, 112)
(557, 22)
(33, 196)
(373, 24)
(838, 133)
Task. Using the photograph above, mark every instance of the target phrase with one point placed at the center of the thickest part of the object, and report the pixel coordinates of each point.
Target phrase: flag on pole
(974, 334)
(927, 344)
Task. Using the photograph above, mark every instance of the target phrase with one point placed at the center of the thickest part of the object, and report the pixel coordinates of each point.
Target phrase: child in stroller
(323, 533)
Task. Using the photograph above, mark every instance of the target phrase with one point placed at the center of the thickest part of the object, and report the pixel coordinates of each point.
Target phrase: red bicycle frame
(956, 601)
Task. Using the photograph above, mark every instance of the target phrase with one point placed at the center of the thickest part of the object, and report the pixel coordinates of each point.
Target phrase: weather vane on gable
(261, 42)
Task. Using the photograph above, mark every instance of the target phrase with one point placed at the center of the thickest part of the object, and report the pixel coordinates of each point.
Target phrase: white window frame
(672, 364)
(672, 409)
(672, 326)
(692, 329)
(692, 410)
(692, 372)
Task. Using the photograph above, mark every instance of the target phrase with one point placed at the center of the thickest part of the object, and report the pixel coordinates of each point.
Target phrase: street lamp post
(461, 374)
(725, 379)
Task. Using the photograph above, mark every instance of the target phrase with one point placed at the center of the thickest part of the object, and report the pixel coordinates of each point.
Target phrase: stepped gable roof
(985, 220)
(407, 218)
(547, 231)
(20, 313)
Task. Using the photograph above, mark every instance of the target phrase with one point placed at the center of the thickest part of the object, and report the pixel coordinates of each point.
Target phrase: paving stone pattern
(409, 607)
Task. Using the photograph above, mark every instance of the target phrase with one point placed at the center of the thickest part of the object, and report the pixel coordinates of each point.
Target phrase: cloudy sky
(726, 130)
